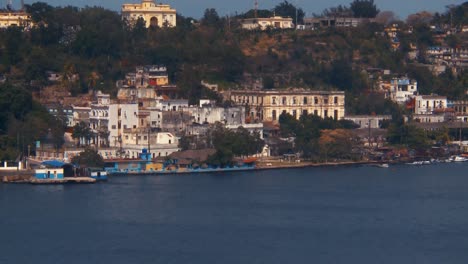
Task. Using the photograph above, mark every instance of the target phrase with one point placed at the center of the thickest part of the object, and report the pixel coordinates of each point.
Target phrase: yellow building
(268, 105)
(161, 15)
(15, 18)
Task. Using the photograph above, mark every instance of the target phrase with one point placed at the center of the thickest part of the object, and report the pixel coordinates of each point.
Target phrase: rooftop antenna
(255, 8)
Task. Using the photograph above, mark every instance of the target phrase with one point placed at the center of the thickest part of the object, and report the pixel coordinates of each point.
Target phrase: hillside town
(402, 97)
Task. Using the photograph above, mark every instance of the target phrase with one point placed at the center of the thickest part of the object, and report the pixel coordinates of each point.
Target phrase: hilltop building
(10, 18)
(275, 22)
(154, 14)
(339, 22)
(268, 105)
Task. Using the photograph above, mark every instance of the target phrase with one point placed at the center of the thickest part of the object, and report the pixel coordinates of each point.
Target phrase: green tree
(89, 158)
(286, 9)
(211, 18)
(364, 8)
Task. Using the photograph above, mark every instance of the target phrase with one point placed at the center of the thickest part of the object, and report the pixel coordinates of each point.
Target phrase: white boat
(383, 165)
(460, 159)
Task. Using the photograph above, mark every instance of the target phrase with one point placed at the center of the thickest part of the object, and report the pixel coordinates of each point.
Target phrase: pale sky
(195, 8)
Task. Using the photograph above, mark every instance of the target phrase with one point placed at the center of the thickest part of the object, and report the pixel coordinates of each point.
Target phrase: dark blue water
(359, 215)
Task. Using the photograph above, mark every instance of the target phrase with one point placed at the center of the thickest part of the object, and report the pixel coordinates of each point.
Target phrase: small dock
(66, 180)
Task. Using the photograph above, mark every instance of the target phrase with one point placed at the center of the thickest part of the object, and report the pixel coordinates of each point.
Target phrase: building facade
(275, 22)
(268, 105)
(402, 89)
(154, 14)
(15, 18)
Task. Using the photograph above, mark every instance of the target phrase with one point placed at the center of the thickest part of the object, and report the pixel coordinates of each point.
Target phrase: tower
(255, 8)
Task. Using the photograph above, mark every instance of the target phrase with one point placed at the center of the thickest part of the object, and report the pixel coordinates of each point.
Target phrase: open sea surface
(401, 214)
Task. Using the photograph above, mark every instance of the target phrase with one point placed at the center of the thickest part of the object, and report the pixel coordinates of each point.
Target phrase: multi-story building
(157, 144)
(429, 104)
(154, 14)
(402, 89)
(10, 18)
(268, 105)
(275, 22)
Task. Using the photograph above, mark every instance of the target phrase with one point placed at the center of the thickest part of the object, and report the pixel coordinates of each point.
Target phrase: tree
(89, 158)
(364, 8)
(211, 18)
(82, 132)
(338, 11)
(385, 17)
(286, 9)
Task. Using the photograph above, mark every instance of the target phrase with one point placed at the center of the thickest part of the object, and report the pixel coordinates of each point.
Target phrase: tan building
(154, 14)
(15, 18)
(268, 105)
(275, 22)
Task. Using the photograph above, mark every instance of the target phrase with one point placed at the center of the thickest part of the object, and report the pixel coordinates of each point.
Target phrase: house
(9, 18)
(153, 14)
(274, 22)
(268, 105)
(402, 89)
(429, 104)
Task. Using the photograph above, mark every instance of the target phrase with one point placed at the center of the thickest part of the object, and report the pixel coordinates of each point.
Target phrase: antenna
(255, 8)
(22, 5)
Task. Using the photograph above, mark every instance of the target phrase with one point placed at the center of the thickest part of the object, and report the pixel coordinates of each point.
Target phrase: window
(304, 112)
(113, 126)
(170, 141)
(336, 115)
(336, 100)
(145, 138)
(316, 112)
(294, 114)
(134, 126)
(273, 114)
(283, 100)
(325, 100)
(316, 100)
(305, 100)
(273, 100)
(294, 100)
(325, 113)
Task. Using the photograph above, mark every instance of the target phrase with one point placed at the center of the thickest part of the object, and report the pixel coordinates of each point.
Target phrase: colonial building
(154, 14)
(15, 18)
(275, 22)
(268, 105)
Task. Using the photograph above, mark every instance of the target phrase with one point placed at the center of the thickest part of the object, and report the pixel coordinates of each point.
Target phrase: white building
(160, 144)
(402, 89)
(154, 14)
(429, 104)
(275, 22)
(15, 18)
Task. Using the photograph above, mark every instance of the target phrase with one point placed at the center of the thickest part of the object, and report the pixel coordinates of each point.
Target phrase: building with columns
(268, 105)
(154, 14)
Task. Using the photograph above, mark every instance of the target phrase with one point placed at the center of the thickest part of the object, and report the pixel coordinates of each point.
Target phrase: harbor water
(401, 214)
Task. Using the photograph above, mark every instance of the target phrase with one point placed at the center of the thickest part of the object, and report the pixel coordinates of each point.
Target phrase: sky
(195, 8)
